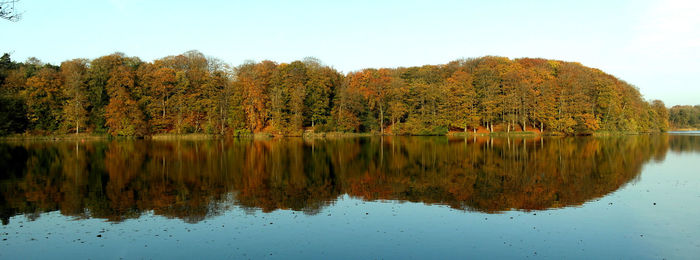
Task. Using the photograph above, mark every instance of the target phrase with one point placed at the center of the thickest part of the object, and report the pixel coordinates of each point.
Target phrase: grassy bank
(63, 137)
(619, 133)
(162, 137)
(200, 136)
(336, 135)
(512, 133)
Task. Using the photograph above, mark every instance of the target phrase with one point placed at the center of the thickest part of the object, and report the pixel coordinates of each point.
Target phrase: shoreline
(684, 129)
(308, 135)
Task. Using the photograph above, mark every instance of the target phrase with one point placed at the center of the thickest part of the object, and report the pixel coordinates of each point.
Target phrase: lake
(353, 198)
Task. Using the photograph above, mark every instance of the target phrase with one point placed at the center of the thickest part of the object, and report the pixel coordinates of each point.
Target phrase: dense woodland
(685, 117)
(193, 180)
(192, 93)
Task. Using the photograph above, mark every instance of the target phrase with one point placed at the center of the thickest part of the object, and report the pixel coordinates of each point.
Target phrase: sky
(653, 45)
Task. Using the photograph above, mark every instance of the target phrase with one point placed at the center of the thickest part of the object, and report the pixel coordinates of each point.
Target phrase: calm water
(412, 197)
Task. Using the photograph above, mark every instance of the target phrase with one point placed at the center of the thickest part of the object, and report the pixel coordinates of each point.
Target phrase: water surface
(391, 197)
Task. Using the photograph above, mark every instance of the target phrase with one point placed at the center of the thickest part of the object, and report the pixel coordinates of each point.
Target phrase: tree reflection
(193, 180)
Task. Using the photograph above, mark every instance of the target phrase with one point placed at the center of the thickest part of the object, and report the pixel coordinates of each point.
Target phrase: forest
(119, 95)
(685, 117)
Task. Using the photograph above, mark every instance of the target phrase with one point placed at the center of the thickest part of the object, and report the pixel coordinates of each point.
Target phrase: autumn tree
(348, 108)
(98, 74)
(289, 95)
(374, 87)
(320, 87)
(75, 90)
(659, 115)
(161, 86)
(398, 106)
(123, 115)
(253, 80)
(684, 116)
(460, 101)
(45, 99)
(220, 95)
(488, 83)
(192, 93)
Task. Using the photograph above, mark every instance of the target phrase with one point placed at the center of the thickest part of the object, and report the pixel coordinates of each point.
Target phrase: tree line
(193, 93)
(685, 117)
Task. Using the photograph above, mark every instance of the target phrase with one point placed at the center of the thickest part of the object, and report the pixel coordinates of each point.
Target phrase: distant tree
(684, 116)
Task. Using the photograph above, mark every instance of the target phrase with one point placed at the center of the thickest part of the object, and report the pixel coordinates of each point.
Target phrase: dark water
(412, 197)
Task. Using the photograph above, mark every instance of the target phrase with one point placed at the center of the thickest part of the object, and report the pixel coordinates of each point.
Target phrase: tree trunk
(381, 119)
(340, 113)
(223, 118)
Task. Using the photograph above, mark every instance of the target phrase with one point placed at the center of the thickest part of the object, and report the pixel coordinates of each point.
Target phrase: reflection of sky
(671, 226)
(622, 224)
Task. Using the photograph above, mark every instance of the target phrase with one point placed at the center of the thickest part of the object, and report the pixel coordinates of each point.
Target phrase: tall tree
(75, 90)
(254, 82)
(161, 87)
(320, 87)
(460, 100)
(374, 86)
(294, 81)
(45, 99)
(123, 115)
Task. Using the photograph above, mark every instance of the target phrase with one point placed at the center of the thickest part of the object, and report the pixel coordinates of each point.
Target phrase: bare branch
(8, 11)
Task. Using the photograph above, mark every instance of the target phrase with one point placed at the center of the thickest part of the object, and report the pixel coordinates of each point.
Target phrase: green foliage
(12, 115)
(684, 116)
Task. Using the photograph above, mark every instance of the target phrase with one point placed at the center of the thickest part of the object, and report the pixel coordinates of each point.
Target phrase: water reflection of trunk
(381, 149)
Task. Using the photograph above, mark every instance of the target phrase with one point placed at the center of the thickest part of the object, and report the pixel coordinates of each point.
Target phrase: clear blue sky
(654, 45)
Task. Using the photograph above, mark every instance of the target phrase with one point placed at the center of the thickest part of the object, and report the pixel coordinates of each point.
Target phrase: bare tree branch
(8, 11)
